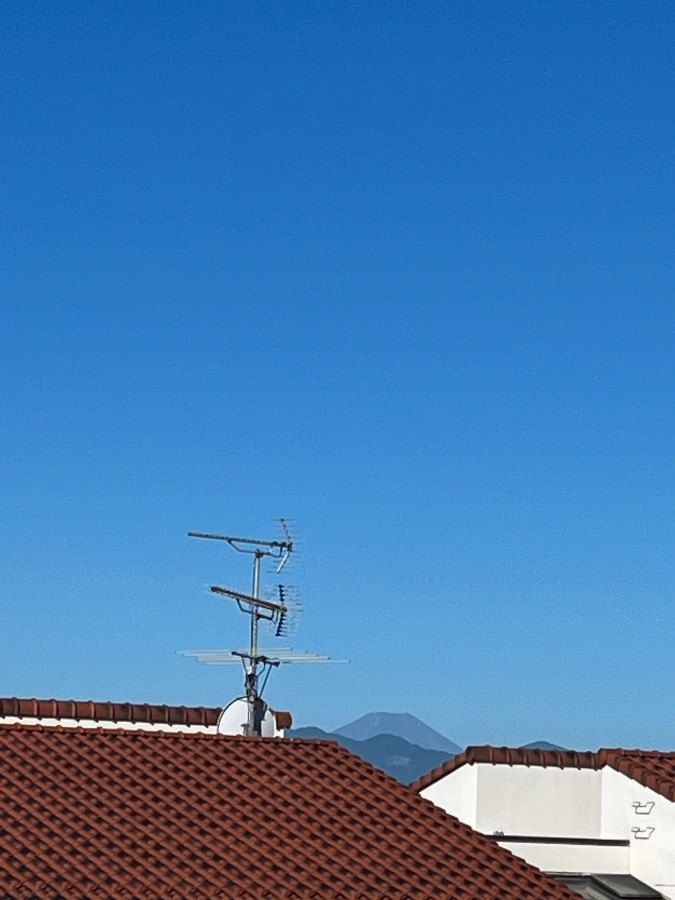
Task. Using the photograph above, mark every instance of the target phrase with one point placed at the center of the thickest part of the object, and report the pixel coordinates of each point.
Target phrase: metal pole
(252, 680)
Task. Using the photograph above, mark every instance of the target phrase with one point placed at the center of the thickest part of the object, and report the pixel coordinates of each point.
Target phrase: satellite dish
(234, 719)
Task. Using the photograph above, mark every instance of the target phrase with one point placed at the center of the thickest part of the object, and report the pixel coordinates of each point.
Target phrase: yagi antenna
(280, 550)
(256, 661)
(246, 603)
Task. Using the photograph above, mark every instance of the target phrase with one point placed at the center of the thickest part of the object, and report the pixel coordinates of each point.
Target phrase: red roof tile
(518, 756)
(654, 769)
(108, 712)
(90, 710)
(133, 814)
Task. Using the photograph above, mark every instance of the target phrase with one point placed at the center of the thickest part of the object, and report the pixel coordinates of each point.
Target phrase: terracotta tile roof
(507, 756)
(108, 712)
(151, 814)
(90, 710)
(654, 769)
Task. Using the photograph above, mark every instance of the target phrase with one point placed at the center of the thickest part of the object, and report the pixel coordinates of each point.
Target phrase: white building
(610, 813)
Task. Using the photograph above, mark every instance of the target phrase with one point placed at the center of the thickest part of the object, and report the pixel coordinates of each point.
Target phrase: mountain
(394, 755)
(541, 745)
(310, 733)
(401, 725)
(398, 743)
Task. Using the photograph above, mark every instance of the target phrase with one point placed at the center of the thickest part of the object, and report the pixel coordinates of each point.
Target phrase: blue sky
(402, 272)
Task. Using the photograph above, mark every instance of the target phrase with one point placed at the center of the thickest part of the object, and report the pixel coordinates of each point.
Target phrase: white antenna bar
(287, 654)
(275, 657)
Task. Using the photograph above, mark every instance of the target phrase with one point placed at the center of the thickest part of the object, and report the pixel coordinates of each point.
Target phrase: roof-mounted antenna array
(258, 663)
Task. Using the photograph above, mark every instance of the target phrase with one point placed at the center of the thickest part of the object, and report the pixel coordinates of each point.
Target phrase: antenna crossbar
(276, 548)
(255, 602)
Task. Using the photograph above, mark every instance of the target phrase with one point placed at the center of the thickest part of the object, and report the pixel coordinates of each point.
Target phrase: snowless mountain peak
(402, 725)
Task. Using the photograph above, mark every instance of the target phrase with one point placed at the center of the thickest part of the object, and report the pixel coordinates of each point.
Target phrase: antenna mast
(257, 609)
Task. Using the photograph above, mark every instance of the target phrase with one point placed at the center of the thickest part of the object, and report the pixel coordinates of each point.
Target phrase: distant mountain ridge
(402, 725)
(404, 761)
(400, 744)
(541, 745)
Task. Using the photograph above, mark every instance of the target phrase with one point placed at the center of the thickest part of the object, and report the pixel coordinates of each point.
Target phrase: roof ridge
(109, 710)
(652, 769)
(639, 765)
(114, 711)
(512, 756)
(621, 751)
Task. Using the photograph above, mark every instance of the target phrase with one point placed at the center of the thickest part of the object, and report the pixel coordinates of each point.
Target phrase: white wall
(106, 723)
(457, 794)
(539, 801)
(650, 827)
(573, 858)
(534, 800)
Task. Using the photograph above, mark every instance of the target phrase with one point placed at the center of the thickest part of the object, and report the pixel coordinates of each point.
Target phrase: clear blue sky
(400, 271)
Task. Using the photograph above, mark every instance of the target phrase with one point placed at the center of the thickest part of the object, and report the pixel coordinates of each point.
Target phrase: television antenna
(257, 663)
